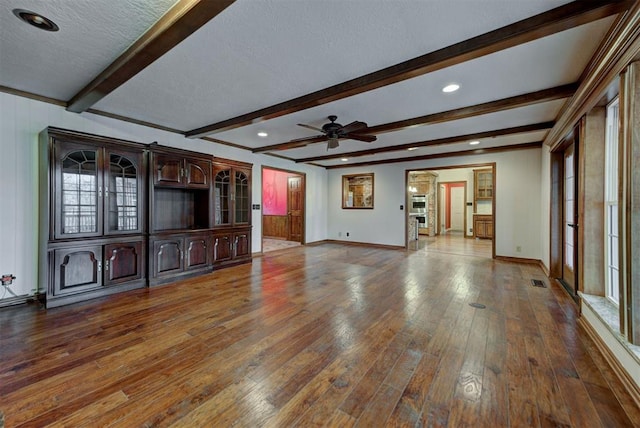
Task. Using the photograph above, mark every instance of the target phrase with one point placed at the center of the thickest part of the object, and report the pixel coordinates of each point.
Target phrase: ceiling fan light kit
(334, 131)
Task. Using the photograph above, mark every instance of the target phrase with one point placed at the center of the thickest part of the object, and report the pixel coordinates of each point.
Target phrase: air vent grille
(538, 283)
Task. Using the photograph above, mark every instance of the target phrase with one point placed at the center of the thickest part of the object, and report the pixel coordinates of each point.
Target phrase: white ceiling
(256, 54)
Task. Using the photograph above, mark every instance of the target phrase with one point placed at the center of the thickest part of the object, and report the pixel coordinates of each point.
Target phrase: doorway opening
(458, 218)
(283, 209)
(565, 236)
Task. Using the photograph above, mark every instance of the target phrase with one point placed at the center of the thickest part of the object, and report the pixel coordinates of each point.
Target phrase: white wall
(22, 119)
(517, 193)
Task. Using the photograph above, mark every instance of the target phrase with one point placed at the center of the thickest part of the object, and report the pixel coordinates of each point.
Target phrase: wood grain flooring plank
(325, 335)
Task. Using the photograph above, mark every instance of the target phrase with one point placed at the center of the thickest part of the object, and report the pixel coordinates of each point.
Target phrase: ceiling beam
(493, 150)
(438, 142)
(542, 96)
(177, 24)
(547, 23)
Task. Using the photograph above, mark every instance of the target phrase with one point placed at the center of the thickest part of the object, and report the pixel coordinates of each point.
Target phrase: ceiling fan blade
(365, 138)
(310, 127)
(333, 143)
(353, 126)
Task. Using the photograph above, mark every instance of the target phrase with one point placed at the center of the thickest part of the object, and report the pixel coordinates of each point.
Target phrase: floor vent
(538, 283)
(477, 305)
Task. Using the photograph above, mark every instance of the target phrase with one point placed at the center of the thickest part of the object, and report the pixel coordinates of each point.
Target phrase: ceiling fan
(334, 131)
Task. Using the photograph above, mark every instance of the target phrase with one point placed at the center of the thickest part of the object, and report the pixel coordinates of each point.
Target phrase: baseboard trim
(627, 381)
(364, 244)
(13, 301)
(517, 259)
(544, 268)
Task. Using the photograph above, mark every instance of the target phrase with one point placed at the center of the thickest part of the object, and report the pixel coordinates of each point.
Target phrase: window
(612, 278)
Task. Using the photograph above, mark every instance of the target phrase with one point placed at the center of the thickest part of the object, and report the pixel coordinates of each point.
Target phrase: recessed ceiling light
(412, 149)
(262, 134)
(344, 159)
(474, 143)
(451, 88)
(36, 20)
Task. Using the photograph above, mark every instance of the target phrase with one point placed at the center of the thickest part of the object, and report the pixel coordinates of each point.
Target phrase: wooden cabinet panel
(197, 174)
(77, 269)
(167, 256)
(123, 262)
(231, 247)
(232, 193)
(77, 196)
(242, 244)
(483, 184)
(196, 250)
(124, 187)
(222, 249)
(275, 226)
(167, 170)
(174, 170)
(483, 226)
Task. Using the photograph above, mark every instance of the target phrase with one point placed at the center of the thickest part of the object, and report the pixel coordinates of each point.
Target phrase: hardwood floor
(330, 334)
(455, 243)
(269, 245)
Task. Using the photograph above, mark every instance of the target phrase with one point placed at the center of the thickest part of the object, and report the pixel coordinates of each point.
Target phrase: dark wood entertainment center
(117, 215)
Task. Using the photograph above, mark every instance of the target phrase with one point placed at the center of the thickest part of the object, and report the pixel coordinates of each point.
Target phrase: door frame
(491, 165)
(464, 204)
(303, 177)
(556, 211)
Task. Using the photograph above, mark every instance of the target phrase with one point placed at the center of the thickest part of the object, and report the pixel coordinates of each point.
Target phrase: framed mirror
(357, 191)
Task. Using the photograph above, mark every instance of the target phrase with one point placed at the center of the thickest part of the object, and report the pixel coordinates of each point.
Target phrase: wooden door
(122, 262)
(167, 256)
(77, 269)
(570, 221)
(457, 208)
(196, 249)
(78, 191)
(221, 247)
(295, 200)
(242, 245)
(123, 190)
(168, 170)
(197, 173)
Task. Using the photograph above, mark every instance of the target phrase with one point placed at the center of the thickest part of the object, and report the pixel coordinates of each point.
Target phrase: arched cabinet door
(77, 269)
(168, 256)
(197, 173)
(123, 262)
(123, 193)
(222, 197)
(77, 188)
(242, 198)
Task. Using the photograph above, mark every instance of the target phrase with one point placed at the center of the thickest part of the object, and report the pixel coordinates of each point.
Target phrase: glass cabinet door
(221, 189)
(241, 197)
(78, 188)
(122, 194)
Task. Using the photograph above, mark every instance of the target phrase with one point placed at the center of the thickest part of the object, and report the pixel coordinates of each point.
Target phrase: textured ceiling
(92, 34)
(255, 54)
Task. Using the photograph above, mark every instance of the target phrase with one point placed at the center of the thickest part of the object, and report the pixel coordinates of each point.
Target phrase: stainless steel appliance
(418, 204)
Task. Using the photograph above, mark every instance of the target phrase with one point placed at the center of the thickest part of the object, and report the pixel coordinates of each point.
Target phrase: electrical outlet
(339, 234)
(347, 234)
